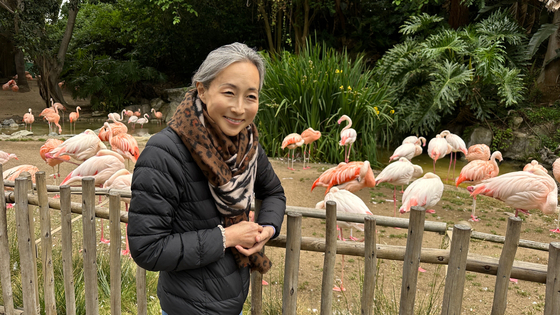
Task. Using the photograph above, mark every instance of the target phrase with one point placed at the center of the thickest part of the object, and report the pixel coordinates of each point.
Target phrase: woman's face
(232, 100)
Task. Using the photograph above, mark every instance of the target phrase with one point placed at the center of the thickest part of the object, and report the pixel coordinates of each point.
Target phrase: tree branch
(5, 6)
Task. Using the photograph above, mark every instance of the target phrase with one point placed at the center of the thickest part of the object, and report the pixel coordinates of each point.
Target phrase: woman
(192, 189)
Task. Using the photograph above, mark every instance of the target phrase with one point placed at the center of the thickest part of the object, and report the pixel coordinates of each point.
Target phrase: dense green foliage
(314, 89)
(439, 72)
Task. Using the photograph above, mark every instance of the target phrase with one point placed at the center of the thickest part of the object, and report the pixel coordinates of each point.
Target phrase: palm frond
(419, 22)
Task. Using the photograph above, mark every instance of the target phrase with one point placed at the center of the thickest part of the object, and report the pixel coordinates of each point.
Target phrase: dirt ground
(523, 297)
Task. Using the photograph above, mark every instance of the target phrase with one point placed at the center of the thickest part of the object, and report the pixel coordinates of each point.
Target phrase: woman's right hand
(243, 233)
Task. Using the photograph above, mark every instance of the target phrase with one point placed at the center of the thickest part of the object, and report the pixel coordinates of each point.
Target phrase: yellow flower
(337, 71)
(392, 111)
(349, 88)
(376, 109)
(377, 112)
(342, 87)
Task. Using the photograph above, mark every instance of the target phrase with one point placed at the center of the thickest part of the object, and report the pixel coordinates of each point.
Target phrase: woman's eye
(254, 97)
(228, 92)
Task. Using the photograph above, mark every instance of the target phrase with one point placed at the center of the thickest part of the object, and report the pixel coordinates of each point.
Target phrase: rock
(172, 108)
(481, 135)
(20, 134)
(523, 147)
(157, 103)
(98, 113)
(547, 157)
(8, 122)
(516, 122)
(170, 95)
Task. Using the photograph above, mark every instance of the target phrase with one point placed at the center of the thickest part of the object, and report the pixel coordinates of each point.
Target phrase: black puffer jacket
(173, 228)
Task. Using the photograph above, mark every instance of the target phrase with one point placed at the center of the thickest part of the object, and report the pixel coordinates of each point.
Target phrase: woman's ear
(201, 90)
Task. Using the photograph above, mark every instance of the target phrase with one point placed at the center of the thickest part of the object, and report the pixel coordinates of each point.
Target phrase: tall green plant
(439, 71)
(314, 89)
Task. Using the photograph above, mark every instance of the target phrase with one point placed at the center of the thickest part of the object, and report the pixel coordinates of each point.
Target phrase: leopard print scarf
(229, 164)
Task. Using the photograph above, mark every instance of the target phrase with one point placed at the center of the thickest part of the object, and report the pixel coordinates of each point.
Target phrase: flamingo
(424, 192)
(534, 164)
(28, 119)
(438, 148)
(347, 136)
(309, 136)
(58, 106)
(351, 176)
(132, 120)
(100, 166)
(477, 171)
(458, 145)
(407, 150)
(157, 115)
(122, 180)
(54, 118)
(124, 144)
(116, 128)
(346, 202)
(143, 120)
(5, 157)
(522, 190)
(415, 140)
(15, 88)
(556, 173)
(128, 113)
(138, 113)
(116, 117)
(50, 145)
(478, 152)
(14, 172)
(81, 146)
(292, 141)
(74, 117)
(399, 173)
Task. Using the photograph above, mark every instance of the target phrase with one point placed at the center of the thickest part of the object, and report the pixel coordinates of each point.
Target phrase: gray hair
(222, 57)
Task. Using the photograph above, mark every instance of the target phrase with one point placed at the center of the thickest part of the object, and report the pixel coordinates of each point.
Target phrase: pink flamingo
(116, 128)
(415, 140)
(438, 148)
(347, 136)
(5, 157)
(132, 120)
(100, 166)
(121, 180)
(14, 172)
(54, 118)
(458, 145)
(424, 192)
(50, 145)
(346, 202)
(523, 190)
(74, 117)
(58, 107)
(399, 173)
(292, 141)
(143, 120)
(478, 152)
(309, 136)
(124, 144)
(128, 113)
(157, 115)
(116, 117)
(15, 88)
(534, 164)
(406, 150)
(81, 146)
(28, 119)
(478, 170)
(556, 173)
(138, 113)
(351, 176)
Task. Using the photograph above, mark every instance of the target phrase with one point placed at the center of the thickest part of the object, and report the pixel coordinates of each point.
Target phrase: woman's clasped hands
(248, 237)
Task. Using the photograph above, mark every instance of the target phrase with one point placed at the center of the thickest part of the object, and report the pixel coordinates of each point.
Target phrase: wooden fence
(457, 257)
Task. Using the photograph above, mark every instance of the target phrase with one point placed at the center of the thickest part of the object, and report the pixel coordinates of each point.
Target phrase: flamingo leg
(349, 150)
(449, 168)
(304, 149)
(434, 166)
(557, 229)
(102, 238)
(454, 162)
(341, 288)
(473, 217)
(126, 252)
(395, 200)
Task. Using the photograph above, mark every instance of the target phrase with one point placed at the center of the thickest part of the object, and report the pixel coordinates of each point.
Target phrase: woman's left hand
(261, 239)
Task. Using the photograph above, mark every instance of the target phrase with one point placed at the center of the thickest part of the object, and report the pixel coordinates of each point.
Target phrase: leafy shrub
(314, 89)
(437, 71)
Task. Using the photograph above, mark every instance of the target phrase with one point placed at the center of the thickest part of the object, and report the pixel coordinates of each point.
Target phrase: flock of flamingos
(102, 155)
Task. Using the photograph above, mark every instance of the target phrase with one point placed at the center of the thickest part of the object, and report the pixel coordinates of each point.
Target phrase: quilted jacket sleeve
(157, 186)
(269, 189)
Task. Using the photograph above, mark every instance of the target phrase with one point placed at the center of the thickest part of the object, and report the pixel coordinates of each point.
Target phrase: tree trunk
(458, 14)
(267, 28)
(551, 72)
(20, 70)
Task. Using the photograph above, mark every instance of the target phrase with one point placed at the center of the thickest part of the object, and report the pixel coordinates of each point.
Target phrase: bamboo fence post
(26, 248)
(256, 277)
(330, 259)
(90, 248)
(66, 240)
(505, 265)
(141, 295)
(5, 277)
(291, 267)
(115, 252)
(412, 260)
(46, 243)
(457, 268)
(552, 299)
(370, 265)
(30, 210)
